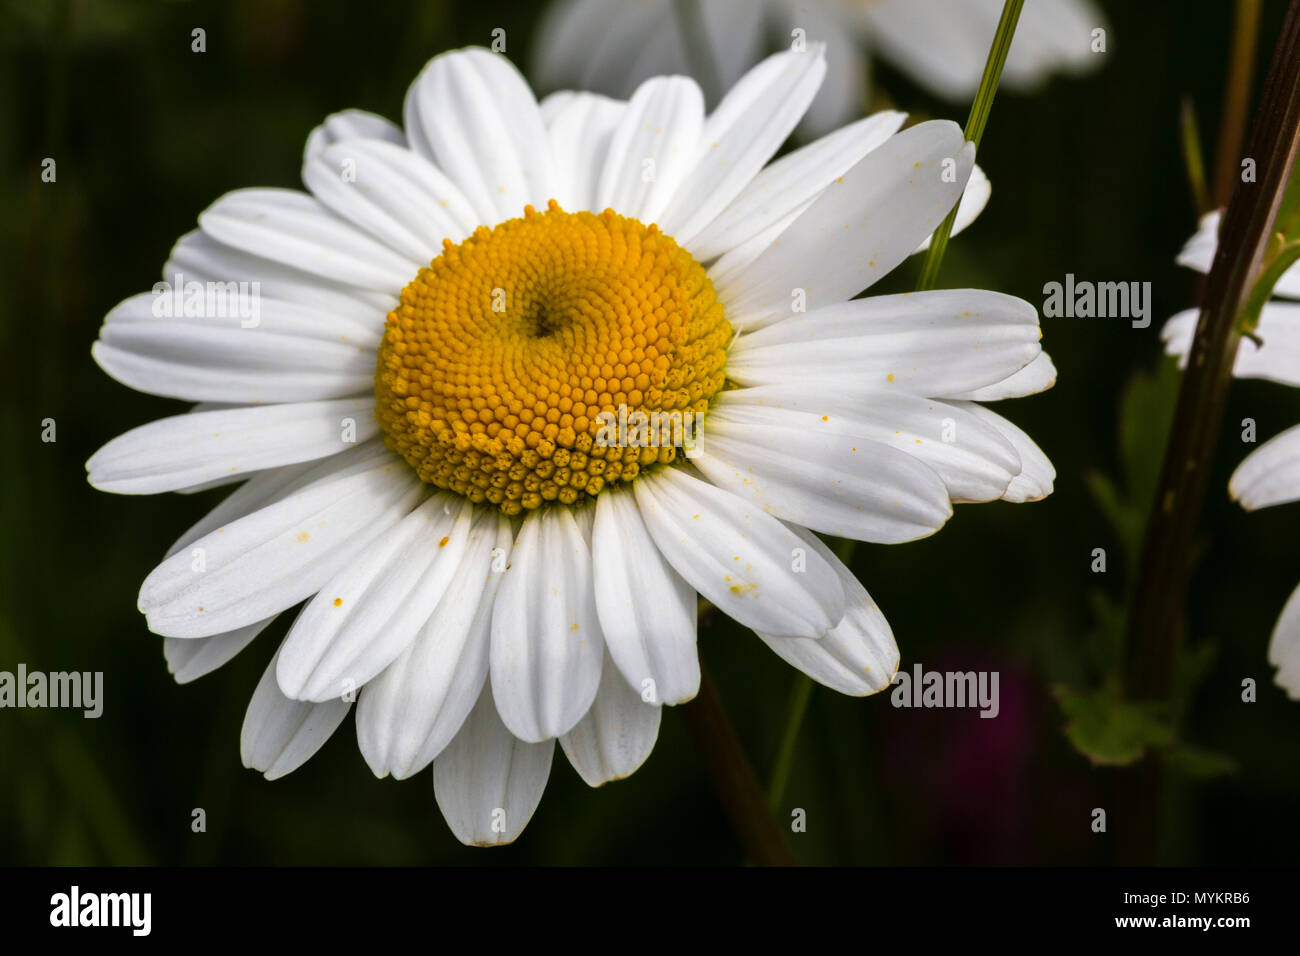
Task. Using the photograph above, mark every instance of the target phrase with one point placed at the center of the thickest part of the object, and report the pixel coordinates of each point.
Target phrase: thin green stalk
(1192, 159)
(1236, 99)
(800, 694)
(979, 117)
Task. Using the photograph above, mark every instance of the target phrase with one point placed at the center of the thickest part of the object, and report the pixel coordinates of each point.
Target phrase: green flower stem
(1236, 99)
(734, 779)
(800, 694)
(1192, 160)
(979, 117)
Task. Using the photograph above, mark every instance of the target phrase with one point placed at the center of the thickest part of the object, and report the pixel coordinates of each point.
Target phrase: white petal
(473, 115)
(828, 479)
(184, 450)
(857, 657)
(1198, 252)
(280, 735)
(792, 182)
(1270, 475)
(580, 132)
(1284, 646)
(546, 639)
(1037, 473)
(395, 195)
(617, 734)
(929, 343)
(270, 560)
(859, 228)
(372, 609)
(264, 488)
(275, 352)
(351, 124)
(487, 782)
(741, 135)
(739, 558)
(1038, 376)
(647, 612)
(294, 229)
(1277, 360)
(200, 258)
(188, 659)
(841, 96)
(971, 458)
(973, 200)
(410, 712)
(652, 148)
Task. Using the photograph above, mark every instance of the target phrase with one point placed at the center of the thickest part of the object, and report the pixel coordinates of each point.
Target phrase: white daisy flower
(450, 320)
(1269, 475)
(612, 45)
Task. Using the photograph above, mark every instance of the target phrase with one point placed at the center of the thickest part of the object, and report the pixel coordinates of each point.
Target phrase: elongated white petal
(410, 712)
(487, 782)
(742, 134)
(188, 659)
(652, 148)
(738, 557)
(1037, 474)
(372, 609)
(274, 352)
(1038, 376)
(197, 257)
(792, 182)
(1270, 475)
(351, 124)
(293, 228)
(973, 200)
(185, 450)
(473, 115)
(280, 735)
(825, 478)
(859, 228)
(1198, 252)
(267, 487)
(617, 733)
(1284, 646)
(1276, 360)
(857, 657)
(646, 610)
(270, 560)
(928, 343)
(546, 639)
(394, 194)
(580, 132)
(971, 458)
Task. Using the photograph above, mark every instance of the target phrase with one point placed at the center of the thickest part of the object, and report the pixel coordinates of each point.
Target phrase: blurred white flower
(610, 46)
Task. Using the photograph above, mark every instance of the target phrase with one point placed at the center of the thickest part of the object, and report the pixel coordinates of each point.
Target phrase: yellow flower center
(505, 372)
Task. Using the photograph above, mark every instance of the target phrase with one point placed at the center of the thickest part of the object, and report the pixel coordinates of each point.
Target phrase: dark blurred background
(1088, 178)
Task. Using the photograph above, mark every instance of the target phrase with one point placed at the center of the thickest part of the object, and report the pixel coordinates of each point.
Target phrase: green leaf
(1109, 730)
(1199, 762)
